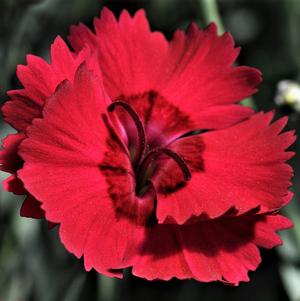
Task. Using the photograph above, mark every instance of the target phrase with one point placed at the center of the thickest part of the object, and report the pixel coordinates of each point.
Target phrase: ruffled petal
(15, 185)
(32, 208)
(199, 74)
(130, 55)
(20, 110)
(63, 156)
(233, 170)
(10, 161)
(194, 72)
(160, 255)
(225, 249)
(40, 80)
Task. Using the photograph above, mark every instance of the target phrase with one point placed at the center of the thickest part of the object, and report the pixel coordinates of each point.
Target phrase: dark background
(33, 264)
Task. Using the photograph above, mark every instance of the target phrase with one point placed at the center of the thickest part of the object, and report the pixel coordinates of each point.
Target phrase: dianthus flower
(136, 147)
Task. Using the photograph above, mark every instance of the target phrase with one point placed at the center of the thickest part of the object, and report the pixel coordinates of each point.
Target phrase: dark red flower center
(150, 131)
(143, 158)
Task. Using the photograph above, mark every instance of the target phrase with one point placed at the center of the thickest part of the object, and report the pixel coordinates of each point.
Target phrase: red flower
(113, 161)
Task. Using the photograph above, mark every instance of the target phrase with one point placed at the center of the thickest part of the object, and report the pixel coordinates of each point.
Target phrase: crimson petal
(63, 172)
(225, 249)
(242, 167)
(194, 72)
(40, 80)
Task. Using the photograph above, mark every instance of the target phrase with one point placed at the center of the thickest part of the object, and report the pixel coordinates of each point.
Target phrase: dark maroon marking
(151, 98)
(150, 104)
(117, 169)
(168, 189)
(116, 172)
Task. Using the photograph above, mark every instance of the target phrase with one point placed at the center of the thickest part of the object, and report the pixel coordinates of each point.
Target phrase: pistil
(145, 171)
(143, 161)
(138, 150)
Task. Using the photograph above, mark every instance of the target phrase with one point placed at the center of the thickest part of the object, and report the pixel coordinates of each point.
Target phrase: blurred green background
(33, 264)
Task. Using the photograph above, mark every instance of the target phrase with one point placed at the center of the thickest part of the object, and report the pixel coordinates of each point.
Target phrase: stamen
(152, 155)
(137, 122)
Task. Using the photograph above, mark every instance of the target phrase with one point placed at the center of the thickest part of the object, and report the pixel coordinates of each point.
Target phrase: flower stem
(292, 211)
(106, 288)
(209, 12)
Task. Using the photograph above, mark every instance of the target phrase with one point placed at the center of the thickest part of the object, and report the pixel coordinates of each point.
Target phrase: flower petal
(193, 72)
(200, 74)
(130, 55)
(10, 161)
(224, 249)
(235, 169)
(63, 157)
(40, 80)
(14, 184)
(32, 208)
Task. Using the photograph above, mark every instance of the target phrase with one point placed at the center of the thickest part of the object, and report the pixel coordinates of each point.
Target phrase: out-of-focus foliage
(33, 263)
